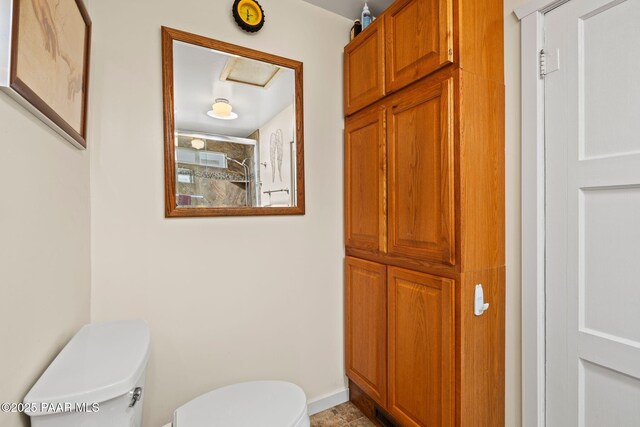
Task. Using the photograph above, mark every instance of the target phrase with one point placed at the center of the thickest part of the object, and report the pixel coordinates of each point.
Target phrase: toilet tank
(97, 380)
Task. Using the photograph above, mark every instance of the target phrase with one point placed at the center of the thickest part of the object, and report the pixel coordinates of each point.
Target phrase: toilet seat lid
(250, 404)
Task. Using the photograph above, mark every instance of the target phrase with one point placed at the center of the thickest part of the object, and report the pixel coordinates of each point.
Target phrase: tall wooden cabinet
(424, 214)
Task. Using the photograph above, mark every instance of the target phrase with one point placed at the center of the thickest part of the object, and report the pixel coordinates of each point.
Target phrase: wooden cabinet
(364, 81)
(421, 171)
(365, 180)
(424, 202)
(366, 326)
(418, 40)
(433, 199)
(421, 348)
(417, 148)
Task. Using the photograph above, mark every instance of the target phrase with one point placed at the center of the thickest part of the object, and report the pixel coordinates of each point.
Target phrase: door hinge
(548, 62)
(542, 64)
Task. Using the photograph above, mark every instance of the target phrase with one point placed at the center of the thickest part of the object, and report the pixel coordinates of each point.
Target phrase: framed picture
(44, 61)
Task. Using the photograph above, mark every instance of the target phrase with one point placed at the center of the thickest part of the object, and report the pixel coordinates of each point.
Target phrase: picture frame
(44, 68)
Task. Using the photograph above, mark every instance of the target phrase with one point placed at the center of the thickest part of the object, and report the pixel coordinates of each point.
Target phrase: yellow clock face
(248, 14)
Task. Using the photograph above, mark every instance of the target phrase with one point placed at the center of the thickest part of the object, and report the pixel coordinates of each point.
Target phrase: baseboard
(328, 400)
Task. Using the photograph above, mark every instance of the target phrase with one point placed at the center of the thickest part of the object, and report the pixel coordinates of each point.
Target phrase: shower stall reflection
(216, 171)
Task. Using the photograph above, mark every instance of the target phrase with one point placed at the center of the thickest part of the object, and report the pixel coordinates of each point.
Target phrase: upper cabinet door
(421, 173)
(365, 180)
(364, 68)
(419, 40)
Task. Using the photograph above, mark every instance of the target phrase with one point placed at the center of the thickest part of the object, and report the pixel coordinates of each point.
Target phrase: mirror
(233, 129)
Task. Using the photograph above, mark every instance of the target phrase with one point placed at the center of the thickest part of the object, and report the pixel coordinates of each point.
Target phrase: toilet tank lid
(101, 362)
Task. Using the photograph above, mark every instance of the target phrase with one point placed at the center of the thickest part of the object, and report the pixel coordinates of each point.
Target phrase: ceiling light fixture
(198, 144)
(222, 110)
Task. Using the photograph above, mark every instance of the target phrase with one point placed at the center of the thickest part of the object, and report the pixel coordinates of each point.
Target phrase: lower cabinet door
(366, 326)
(421, 348)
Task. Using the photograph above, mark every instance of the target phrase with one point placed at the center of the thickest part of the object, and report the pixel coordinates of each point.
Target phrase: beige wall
(512, 80)
(220, 307)
(44, 249)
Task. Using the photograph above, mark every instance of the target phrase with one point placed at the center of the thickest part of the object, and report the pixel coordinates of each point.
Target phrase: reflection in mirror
(216, 170)
(235, 130)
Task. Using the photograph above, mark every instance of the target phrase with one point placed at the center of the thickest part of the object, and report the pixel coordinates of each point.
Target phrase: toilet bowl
(249, 404)
(98, 380)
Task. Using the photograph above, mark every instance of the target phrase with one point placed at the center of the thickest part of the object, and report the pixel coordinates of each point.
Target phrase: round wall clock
(248, 14)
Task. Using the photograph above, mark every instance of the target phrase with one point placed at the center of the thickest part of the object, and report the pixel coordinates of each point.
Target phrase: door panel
(419, 39)
(611, 125)
(592, 211)
(364, 69)
(366, 326)
(421, 348)
(421, 171)
(365, 181)
(611, 398)
(610, 219)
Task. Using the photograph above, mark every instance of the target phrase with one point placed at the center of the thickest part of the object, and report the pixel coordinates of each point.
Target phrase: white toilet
(105, 364)
(251, 404)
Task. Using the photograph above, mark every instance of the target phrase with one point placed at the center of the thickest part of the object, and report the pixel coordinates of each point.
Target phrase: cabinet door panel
(364, 69)
(365, 181)
(421, 174)
(366, 326)
(419, 40)
(421, 348)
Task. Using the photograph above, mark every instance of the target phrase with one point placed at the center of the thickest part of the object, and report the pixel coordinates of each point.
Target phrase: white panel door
(592, 143)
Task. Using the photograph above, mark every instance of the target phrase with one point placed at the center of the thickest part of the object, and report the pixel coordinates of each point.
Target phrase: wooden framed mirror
(233, 129)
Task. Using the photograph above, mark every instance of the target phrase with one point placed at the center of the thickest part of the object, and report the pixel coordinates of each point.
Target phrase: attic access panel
(247, 71)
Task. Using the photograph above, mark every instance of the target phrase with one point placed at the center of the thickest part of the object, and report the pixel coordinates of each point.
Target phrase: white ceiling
(352, 8)
(197, 83)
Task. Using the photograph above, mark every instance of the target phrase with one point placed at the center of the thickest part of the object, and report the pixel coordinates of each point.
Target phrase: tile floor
(345, 415)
